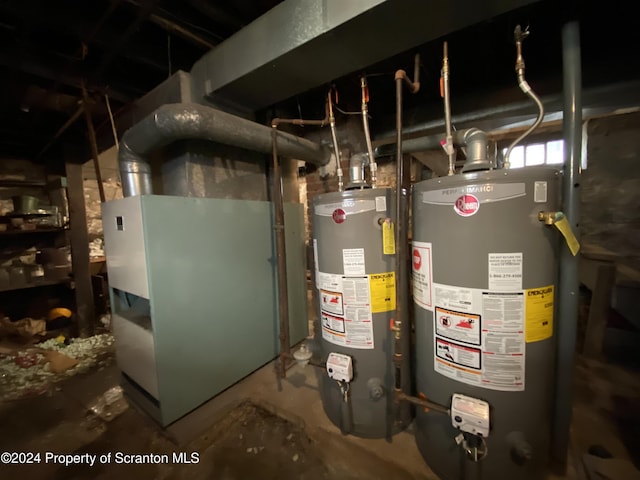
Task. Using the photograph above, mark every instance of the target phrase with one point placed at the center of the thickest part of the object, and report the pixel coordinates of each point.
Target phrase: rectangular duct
(302, 44)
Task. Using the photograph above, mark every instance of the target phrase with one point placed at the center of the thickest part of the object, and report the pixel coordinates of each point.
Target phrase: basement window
(548, 153)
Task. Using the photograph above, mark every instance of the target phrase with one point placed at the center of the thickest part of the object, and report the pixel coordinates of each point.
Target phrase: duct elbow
(357, 164)
(476, 142)
(183, 121)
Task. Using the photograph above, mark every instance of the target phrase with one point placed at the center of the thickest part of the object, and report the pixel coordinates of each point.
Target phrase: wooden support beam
(79, 243)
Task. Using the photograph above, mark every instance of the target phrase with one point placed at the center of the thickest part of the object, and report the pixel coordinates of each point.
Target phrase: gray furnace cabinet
(194, 294)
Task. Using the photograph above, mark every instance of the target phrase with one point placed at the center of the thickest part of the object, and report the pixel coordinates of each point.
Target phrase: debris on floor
(252, 442)
(25, 328)
(598, 468)
(34, 370)
(110, 404)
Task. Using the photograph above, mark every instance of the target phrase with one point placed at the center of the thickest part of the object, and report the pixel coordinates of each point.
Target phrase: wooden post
(79, 242)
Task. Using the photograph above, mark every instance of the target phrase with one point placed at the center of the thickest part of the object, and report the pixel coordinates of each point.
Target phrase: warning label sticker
(333, 323)
(458, 354)
(463, 327)
(353, 261)
(422, 275)
(383, 292)
(358, 321)
(388, 238)
(331, 302)
(329, 281)
(346, 310)
(356, 291)
(359, 326)
(505, 272)
(481, 341)
(539, 311)
(458, 298)
(502, 311)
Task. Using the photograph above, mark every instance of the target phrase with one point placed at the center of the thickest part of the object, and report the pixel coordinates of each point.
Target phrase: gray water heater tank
(355, 279)
(484, 276)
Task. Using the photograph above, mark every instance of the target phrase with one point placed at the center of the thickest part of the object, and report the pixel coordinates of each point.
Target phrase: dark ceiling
(124, 48)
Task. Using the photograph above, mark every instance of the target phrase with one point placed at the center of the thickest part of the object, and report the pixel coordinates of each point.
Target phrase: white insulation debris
(23, 381)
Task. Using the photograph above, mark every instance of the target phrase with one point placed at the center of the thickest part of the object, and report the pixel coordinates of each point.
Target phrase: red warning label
(331, 302)
(460, 326)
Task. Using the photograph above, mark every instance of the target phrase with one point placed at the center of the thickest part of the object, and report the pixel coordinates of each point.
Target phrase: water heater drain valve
(470, 415)
(340, 367)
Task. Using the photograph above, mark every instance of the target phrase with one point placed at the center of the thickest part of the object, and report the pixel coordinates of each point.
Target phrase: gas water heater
(353, 242)
(484, 279)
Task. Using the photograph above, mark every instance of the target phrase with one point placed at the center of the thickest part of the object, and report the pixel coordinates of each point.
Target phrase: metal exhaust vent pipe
(474, 139)
(357, 164)
(183, 121)
(476, 142)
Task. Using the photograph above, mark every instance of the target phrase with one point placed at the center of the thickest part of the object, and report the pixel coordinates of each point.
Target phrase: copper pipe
(281, 253)
(422, 402)
(446, 94)
(373, 166)
(301, 122)
(283, 294)
(336, 148)
(398, 358)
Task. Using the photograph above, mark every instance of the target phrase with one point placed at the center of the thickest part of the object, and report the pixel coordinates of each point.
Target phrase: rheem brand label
(466, 205)
(339, 215)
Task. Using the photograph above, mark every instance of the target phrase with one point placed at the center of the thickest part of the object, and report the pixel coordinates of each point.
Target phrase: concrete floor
(282, 433)
(267, 428)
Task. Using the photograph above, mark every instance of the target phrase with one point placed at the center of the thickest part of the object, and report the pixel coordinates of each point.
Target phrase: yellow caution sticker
(539, 313)
(565, 229)
(383, 292)
(388, 238)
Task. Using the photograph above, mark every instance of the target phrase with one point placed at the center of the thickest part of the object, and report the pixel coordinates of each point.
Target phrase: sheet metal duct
(474, 139)
(173, 122)
(300, 44)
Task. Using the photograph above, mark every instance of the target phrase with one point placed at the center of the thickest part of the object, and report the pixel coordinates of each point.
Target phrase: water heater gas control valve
(340, 367)
(470, 415)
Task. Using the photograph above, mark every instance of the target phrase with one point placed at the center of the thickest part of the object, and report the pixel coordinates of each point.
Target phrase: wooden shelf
(36, 230)
(37, 283)
(22, 183)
